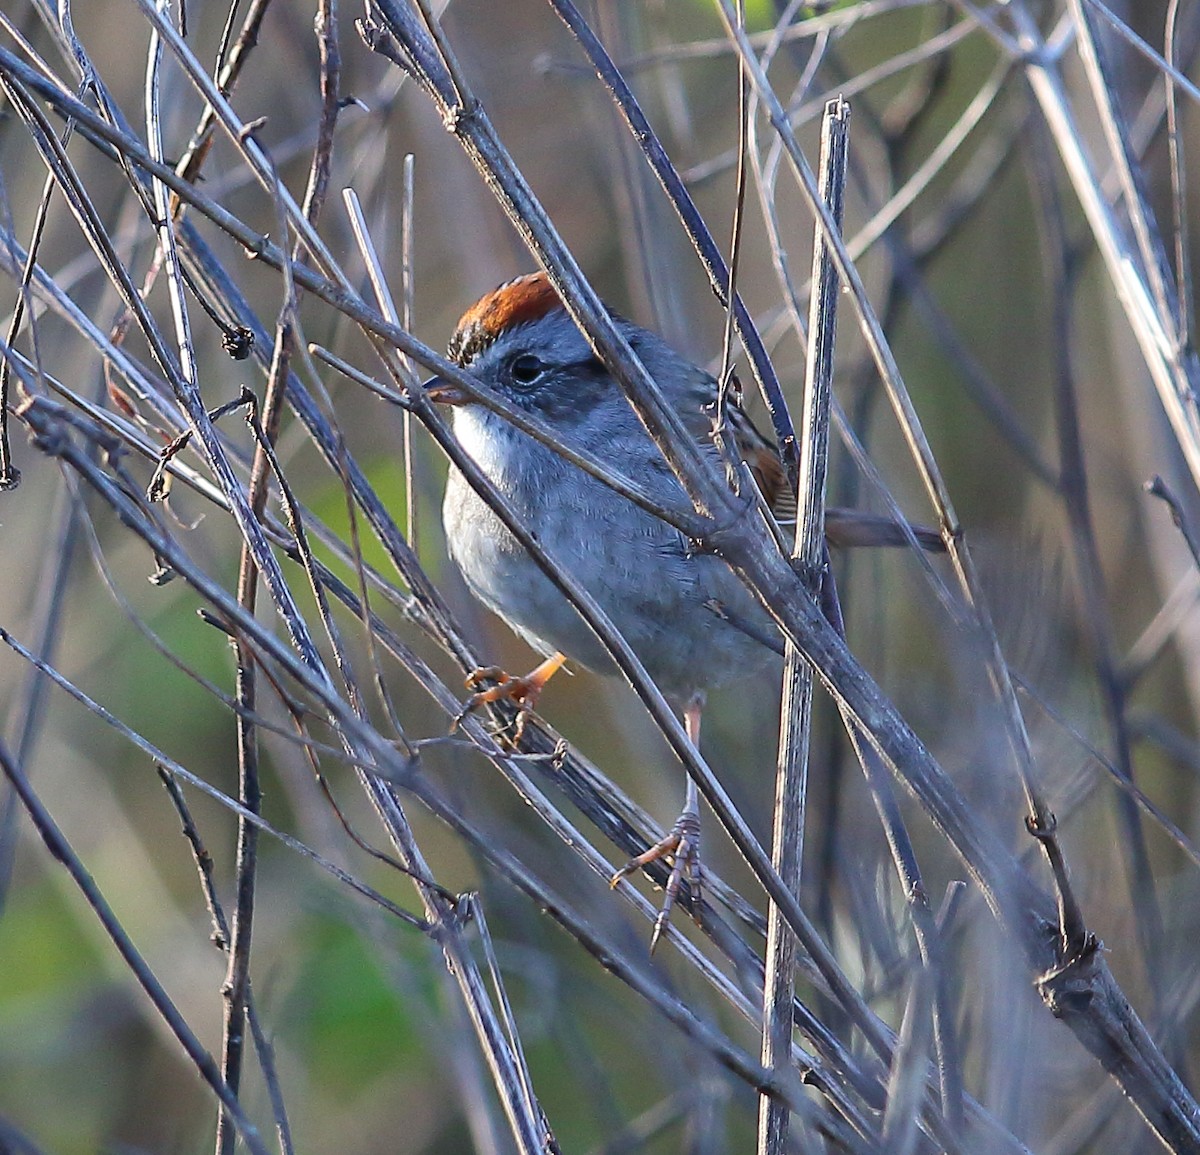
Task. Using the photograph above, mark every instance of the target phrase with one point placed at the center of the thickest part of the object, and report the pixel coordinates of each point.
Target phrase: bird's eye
(526, 369)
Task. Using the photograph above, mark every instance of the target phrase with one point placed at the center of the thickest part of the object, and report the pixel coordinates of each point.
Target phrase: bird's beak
(442, 392)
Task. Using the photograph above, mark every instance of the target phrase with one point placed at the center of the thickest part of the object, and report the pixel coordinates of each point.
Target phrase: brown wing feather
(751, 446)
(771, 478)
(844, 528)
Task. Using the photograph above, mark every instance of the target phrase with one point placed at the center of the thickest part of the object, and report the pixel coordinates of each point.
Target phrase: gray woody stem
(809, 550)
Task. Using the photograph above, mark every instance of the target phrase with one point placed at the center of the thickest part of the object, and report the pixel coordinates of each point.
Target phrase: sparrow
(687, 616)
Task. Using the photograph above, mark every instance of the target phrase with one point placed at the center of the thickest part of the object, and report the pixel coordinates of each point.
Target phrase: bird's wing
(751, 446)
(844, 528)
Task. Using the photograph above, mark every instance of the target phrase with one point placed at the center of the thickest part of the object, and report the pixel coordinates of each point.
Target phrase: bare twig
(810, 556)
(61, 850)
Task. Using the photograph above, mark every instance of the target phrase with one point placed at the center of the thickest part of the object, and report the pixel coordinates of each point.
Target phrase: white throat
(486, 439)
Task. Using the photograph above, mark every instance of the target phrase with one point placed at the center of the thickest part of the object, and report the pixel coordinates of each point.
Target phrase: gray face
(545, 367)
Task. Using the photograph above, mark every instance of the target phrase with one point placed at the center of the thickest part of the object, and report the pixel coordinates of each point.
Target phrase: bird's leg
(524, 691)
(682, 844)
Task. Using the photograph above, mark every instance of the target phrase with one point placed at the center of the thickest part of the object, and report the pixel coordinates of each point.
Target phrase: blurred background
(1035, 397)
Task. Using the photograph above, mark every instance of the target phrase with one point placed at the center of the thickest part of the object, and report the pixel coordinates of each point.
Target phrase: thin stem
(787, 850)
(61, 850)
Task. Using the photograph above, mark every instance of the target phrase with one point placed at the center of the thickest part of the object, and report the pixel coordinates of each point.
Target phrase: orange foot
(524, 691)
(682, 846)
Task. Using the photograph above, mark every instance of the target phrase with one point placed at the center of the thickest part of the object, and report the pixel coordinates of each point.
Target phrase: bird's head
(521, 342)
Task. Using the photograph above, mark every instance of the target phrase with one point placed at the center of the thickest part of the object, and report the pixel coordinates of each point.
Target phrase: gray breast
(639, 570)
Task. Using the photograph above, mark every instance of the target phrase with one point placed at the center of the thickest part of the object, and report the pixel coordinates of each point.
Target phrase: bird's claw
(523, 690)
(682, 846)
